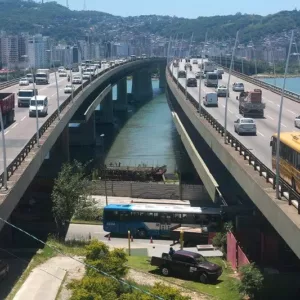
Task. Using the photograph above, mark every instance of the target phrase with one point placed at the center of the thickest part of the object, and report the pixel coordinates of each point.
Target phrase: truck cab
(25, 95)
(39, 103)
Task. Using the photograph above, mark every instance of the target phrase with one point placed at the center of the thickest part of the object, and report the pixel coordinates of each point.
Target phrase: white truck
(250, 104)
(25, 95)
(42, 76)
(208, 66)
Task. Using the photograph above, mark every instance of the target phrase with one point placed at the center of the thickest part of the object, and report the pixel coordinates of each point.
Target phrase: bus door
(165, 225)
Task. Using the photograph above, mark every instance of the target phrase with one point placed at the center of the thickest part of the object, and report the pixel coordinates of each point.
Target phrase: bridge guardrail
(288, 94)
(9, 83)
(285, 188)
(13, 166)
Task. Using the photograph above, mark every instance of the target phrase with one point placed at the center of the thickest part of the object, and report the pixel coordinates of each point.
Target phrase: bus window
(124, 215)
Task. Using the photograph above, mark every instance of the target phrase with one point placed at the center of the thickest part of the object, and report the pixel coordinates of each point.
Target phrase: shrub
(251, 282)
(88, 211)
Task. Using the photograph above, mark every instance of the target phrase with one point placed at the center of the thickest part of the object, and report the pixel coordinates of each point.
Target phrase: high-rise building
(9, 51)
(37, 47)
(75, 54)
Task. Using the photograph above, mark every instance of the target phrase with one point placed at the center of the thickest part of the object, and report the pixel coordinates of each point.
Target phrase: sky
(180, 8)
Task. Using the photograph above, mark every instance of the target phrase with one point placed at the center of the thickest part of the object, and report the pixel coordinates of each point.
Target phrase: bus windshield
(289, 154)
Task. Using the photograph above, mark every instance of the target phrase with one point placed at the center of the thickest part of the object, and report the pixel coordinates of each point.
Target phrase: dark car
(191, 82)
(188, 264)
(4, 269)
(181, 74)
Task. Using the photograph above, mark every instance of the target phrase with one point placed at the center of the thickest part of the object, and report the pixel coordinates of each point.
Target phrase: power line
(84, 263)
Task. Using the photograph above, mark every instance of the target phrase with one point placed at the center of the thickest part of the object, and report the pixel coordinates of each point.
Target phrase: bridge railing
(286, 189)
(13, 166)
(288, 94)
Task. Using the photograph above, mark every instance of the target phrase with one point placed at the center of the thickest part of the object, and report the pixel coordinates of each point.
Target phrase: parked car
(24, 81)
(238, 87)
(297, 122)
(4, 269)
(69, 88)
(245, 125)
(77, 80)
(191, 82)
(188, 264)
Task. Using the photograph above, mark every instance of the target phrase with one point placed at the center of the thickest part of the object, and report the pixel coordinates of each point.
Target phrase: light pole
(105, 187)
(56, 83)
(279, 119)
(242, 65)
(228, 83)
(3, 150)
(200, 96)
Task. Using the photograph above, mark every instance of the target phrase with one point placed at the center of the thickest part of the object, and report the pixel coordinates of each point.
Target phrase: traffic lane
(257, 144)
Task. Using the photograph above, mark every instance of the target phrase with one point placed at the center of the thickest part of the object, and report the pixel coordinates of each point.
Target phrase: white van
(211, 79)
(40, 103)
(211, 99)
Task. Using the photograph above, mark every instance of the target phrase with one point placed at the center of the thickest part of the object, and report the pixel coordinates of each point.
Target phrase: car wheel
(203, 278)
(141, 233)
(165, 271)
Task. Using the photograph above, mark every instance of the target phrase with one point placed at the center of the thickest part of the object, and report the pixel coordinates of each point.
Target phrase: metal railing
(286, 189)
(13, 166)
(6, 84)
(288, 94)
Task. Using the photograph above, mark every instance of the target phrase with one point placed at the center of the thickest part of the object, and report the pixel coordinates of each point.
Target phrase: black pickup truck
(187, 264)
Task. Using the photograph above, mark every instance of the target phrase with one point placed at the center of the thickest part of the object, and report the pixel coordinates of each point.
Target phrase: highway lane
(259, 144)
(20, 132)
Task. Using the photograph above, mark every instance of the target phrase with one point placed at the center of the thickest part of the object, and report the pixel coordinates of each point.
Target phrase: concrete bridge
(247, 159)
(26, 158)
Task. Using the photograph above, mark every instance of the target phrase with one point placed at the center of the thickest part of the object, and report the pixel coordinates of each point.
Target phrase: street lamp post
(3, 150)
(228, 83)
(279, 119)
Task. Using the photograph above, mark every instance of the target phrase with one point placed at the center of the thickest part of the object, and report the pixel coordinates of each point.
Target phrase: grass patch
(72, 247)
(76, 221)
(225, 289)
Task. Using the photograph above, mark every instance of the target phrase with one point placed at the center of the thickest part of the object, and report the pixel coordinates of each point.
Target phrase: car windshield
(239, 84)
(25, 94)
(247, 121)
(68, 86)
(200, 259)
(24, 79)
(39, 102)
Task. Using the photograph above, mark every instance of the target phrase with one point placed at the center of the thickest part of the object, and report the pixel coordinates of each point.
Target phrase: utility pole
(67, 3)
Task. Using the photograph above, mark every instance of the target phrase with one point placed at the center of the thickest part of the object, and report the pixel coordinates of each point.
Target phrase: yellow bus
(289, 154)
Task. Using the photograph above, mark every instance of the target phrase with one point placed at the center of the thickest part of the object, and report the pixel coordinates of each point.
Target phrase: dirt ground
(148, 279)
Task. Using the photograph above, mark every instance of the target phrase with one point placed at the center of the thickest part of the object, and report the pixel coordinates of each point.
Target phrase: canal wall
(152, 190)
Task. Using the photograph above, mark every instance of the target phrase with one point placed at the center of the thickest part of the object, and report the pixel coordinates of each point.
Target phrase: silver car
(245, 125)
(297, 122)
(238, 87)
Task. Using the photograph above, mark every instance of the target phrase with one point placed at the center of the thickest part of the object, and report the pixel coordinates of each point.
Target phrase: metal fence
(13, 166)
(286, 189)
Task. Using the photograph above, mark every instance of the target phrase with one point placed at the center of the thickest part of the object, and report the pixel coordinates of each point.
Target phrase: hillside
(61, 23)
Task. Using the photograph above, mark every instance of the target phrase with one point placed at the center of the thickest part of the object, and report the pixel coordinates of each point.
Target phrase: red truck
(7, 103)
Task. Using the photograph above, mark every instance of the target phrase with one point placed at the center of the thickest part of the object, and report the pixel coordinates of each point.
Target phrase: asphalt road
(259, 144)
(20, 132)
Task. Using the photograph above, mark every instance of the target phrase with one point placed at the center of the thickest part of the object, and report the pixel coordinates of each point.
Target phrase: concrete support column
(121, 103)
(83, 134)
(107, 110)
(162, 76)
(142, 85)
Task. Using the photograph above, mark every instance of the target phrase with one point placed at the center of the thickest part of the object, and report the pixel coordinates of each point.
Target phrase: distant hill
(59, 22)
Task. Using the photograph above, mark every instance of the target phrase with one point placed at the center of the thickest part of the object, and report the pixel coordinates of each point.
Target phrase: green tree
(111, 262)
(70, 188)
(251, 282)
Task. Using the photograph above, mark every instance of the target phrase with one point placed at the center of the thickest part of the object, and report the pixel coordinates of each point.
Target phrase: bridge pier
(121, 103)
(142, 85)
(106, 113)
(83, 133)
(162, 76)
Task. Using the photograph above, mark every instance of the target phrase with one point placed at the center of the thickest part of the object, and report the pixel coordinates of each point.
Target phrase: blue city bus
(158, 220)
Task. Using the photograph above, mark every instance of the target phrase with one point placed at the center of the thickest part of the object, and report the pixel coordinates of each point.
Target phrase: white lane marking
(270, 101)
(223, 105)
(269, 117)
(278, 105)
(283, 125)
(6, 132)
(53, 95)
(23, 118)
(230, 111)
(260, 133)
(291, 112)
(14, 126)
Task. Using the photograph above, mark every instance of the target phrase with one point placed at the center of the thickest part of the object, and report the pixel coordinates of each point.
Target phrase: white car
(68, 89)
(297, 122)
(238, 87)
(245, 125)
(62, 74)
(24, 81)
(222, 91)
(77, 80)
(87, 75)
(195, 61)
